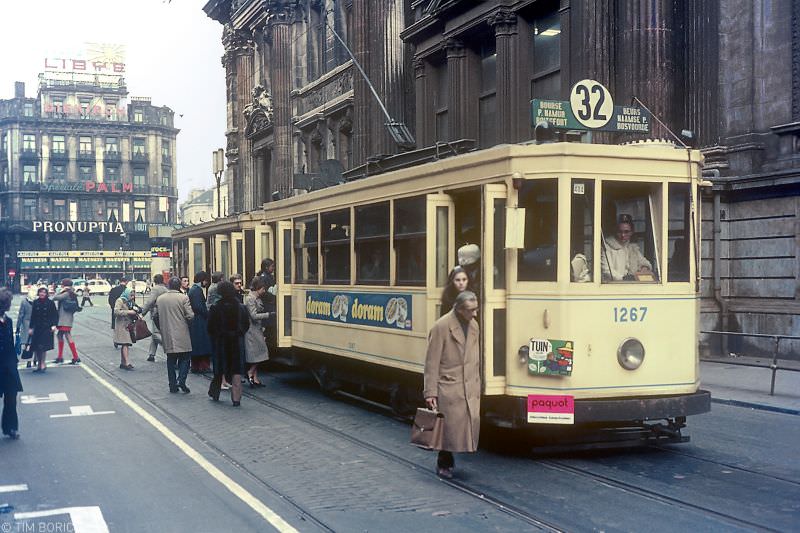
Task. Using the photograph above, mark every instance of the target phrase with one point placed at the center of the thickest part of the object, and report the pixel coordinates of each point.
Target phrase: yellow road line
(237, 490)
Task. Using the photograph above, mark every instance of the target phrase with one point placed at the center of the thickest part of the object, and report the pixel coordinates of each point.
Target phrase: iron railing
(773, 366)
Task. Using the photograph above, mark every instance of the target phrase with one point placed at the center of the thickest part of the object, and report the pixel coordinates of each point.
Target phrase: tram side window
(372, 244)
(678, 233)
(336, 246)
(409, 240)
(306, 235)
(582, 231)
(631, 215)
(538, 260)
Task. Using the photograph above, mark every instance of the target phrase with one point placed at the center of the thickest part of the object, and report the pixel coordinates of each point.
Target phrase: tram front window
(631, 215)
(538, 261)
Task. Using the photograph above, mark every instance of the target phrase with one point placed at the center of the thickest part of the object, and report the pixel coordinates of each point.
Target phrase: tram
(565, 340)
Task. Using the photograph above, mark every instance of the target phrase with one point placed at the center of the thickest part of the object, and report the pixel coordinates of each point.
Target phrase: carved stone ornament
(503, 22)
(283, 11)
(259, 113)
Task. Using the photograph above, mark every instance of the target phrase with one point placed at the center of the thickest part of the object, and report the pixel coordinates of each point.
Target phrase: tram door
(492, 314)
(197, 256)
(440, 250)
(283, 271)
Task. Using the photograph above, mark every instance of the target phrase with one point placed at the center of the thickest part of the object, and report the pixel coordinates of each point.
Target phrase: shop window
(306, 246)
(372, 244)
(631, 218)
(679, 232)
(581, 230)
(336, 246)
(409, 240)
(538, 261)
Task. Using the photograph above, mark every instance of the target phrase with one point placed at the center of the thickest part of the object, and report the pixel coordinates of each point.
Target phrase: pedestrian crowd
(212, 325)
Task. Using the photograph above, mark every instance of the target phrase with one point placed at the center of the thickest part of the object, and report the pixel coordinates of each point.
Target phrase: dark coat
(9, 376)
(114, 294)
(228, 321)
(44, 316)
(201, 344)
(453, 376)
(268, 299)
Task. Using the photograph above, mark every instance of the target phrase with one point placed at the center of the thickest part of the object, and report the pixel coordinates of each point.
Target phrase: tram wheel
(325, 378)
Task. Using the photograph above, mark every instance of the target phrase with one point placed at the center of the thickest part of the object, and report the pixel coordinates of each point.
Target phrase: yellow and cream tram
(566, 339)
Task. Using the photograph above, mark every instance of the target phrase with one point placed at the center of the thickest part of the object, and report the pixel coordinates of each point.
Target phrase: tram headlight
(630, 354)
(522, 353)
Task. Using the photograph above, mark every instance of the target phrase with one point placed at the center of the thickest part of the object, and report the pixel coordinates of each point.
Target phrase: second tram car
(567, 338)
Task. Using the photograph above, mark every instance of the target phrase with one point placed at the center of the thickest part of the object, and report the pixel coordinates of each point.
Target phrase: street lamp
(218, 167)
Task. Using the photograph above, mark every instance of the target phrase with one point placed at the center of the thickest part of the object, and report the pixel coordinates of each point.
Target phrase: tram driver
(621, 260)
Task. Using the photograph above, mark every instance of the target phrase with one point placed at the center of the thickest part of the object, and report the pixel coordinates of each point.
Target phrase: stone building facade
(461, 74)
(86, 174)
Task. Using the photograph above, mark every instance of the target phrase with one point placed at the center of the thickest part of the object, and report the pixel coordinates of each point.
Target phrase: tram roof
(643, 160)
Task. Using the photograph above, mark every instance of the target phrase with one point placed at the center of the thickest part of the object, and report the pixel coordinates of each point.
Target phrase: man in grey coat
(174, 316)
(150, 307)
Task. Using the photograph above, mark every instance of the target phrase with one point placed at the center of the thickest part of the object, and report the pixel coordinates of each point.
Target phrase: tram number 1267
(629, 314)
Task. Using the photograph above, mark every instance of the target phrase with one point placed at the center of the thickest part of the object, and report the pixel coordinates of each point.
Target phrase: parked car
(98, 286)
(138, 286)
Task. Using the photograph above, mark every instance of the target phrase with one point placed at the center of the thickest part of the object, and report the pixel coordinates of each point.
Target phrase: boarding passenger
(124, 314)
(213, 297)
(228, 322)
(457, 282)
(256, 350)
(201, 344)
(267, 273)
(175, 315)
(67, 307)
(453, 379)
(44, 319)
(621, 260)
(10, 384)
(469, 258)
(151, 306)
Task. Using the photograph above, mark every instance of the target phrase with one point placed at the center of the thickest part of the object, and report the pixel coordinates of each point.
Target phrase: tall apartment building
(87, 175)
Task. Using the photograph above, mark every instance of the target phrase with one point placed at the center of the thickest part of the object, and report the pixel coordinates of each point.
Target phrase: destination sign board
(590, 107)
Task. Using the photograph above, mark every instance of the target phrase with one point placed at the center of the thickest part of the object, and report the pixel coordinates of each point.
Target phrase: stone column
(509, 115)
(458, 91)
(702, 61)
(279, 25)
(647, 64)
(424, 123)
(258, 182)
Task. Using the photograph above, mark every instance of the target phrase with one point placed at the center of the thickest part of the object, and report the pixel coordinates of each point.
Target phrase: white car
(98, 286)
(138, 286)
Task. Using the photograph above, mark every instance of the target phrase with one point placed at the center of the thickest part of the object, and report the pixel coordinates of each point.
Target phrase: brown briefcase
(428, 429)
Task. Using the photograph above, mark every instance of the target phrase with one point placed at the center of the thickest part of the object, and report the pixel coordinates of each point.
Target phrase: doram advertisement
(365, 309)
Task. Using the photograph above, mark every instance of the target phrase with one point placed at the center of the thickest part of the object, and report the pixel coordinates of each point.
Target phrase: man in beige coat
(453, 379)
(174, 316)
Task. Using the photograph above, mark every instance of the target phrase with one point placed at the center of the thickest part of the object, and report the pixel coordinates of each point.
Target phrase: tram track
(473, 492)
(544, 524)
(652, 495)
(726, 465)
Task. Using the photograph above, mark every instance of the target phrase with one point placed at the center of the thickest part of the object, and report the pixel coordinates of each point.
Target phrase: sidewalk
(730, 382)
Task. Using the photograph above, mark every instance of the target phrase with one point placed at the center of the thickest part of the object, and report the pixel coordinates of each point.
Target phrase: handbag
(138, 330)
(27, 353)
(427, 431)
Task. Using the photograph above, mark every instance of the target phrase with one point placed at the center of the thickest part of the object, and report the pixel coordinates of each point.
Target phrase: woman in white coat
(255, 347)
